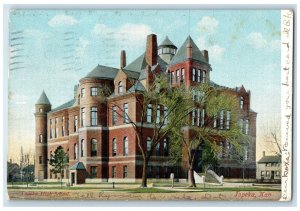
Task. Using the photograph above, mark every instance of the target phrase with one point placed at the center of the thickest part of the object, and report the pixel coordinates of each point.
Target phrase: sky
(52, 49)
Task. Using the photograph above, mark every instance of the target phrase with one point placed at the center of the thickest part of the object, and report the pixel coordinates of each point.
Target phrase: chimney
(189, 50)
(151, 50)
(205, 54)
(123, 59)
(264, 153)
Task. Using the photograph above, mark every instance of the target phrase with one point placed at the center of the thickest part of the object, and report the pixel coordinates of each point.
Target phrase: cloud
(256, 40)
(62, 20)
(215, 51)
(82, 45)
(130, 37)
(208, 25)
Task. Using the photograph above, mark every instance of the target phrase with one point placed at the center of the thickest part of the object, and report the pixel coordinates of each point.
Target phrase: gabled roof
(270, 159)
(63, 106)
(167, 42)
(102, 72)
(180, 56)
(77, 166)
(43, 99)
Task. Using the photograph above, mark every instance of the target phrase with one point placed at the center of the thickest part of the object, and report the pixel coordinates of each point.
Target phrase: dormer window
(120, 87)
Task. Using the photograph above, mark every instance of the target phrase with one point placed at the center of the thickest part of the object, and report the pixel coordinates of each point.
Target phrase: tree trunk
(192, 182)
(144, 175)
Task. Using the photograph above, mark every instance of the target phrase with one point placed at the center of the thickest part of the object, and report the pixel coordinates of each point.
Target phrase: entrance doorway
(72, 178)
(272, 174)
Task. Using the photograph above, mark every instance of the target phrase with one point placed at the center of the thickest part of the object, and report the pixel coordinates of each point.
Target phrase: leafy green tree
(165, 103)
(195, 131)
(59, 162)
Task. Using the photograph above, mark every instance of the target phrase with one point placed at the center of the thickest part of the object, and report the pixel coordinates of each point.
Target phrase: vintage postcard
(158, 104)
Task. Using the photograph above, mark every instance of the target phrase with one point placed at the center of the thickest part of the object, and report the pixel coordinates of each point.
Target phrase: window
(198, 117)
(94, 147)
(56, 132)
(120, 87)
(241, 103)
(94, 116)
(40, 110)
(268, 164)
(94, 91)
(93, 171)
(82, 92)
(182, 74)
(114, 147)
(203, 118)
(114, 115)
(41, 138)
(158, 115)
(63, 130)
(227, 120)
(166, 147)
(51, 130)
(222, 149)
(114, 172)
(82, 148)
(194, 74)
(75, 123)
(199, 76)
(221, 119)
(166, 117)
(228, 150)
(82, 117)
(157, 149)
(247, 127)
(126, 115)
(193, 117)
(267, 173)
(277, 173)
(215, 121)
(173, 77)
(177, 76)
(203, 76)
(262, 173)
(246, 153)
(149, 113)
(125, 147)
(125, 172)
(68, 125)
(40, 159)
(149, 143)
(75, 151)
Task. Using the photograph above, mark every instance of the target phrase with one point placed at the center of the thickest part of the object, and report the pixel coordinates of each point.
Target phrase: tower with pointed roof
(166, 50)
(42, 106)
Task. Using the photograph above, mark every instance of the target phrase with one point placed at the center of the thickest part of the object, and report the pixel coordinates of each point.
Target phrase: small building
(269, 169)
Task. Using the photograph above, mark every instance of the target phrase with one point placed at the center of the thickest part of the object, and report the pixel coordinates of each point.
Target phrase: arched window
(125, 147)
(41, 138)
(94, 147)
(75, 151)
(114, 147)
(148, 144)
(241, 103)
(82, 148)
(120, 87)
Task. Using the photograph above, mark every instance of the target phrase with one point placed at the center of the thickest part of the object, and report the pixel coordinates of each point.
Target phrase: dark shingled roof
(140, 64)
(167, 42)
(180, 56)
(77, 166)
(270, 159)
(138, 86)
(102, 72)
(63, 106)
(43, 99)
(132, 74)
